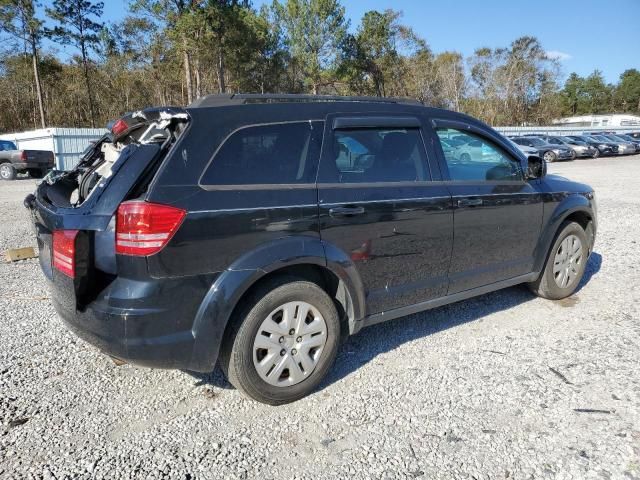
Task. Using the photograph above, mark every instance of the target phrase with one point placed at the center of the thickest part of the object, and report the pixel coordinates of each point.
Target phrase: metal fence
(561, 130)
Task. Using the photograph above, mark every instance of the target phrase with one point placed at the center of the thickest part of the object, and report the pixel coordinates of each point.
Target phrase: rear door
(497, 213)
(379, 203)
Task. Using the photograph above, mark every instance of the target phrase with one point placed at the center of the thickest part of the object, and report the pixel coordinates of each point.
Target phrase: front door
(497, 213)
(379, 204)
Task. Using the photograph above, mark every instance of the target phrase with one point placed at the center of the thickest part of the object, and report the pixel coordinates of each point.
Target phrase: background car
(629, 145)
(524, 148)
(582, 149)
(550, 153)
(629, 138)
(624, 148)
(604, 147)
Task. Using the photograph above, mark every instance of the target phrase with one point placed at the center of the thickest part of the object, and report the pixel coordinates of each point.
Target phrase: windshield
(571, 141)
(616, 138)
(600, 138)
(6, 146)
(536, 141)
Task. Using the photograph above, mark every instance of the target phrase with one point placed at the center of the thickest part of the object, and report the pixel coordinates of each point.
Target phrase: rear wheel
(7, 172)
(549, 156)
(281, 345)
(566, 263)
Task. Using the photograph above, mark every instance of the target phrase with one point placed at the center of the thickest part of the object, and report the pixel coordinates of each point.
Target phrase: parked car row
(569, 147)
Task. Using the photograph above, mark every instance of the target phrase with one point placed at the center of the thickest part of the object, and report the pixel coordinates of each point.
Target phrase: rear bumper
(148, 323)
(40, 165)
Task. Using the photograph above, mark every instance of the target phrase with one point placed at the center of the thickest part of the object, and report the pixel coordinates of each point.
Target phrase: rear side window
(6, 146)
(283, 153)
(377, 155)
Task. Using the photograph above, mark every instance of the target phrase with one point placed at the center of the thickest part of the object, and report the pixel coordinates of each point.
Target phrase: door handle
(348, 211)
(470, 202)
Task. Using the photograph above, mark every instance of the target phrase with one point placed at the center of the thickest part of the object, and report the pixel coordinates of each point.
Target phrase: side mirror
(536, 167)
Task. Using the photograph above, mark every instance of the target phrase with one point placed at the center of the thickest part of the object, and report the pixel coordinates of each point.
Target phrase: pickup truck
(12, 160)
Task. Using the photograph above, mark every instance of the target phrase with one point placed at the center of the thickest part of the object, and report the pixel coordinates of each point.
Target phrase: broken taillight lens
(119, 127)
(144, 228)
(64, 251)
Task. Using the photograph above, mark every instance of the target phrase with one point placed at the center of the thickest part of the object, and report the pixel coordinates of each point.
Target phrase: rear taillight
(23, 156)
(119, 127)
(144, 228)
(64, 251)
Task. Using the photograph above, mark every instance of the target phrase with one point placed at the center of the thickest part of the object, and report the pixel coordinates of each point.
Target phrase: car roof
(295, 106)
(225, 100)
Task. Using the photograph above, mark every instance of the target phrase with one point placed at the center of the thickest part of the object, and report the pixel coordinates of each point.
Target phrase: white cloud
(557, 55)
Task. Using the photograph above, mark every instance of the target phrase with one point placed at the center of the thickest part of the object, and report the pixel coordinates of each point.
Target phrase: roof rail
(220, 100)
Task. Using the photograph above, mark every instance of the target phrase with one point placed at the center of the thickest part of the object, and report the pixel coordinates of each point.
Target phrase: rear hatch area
(74, 211)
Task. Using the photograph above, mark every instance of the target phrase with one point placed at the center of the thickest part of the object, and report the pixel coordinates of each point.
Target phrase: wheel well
(581, 218)
(321, 276)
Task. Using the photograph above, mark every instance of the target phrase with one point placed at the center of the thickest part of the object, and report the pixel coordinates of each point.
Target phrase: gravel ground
(502, 386)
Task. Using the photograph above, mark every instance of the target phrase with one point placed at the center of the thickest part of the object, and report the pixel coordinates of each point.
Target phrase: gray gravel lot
(487, 388)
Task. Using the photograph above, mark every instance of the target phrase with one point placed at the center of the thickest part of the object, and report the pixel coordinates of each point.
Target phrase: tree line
(170, 52)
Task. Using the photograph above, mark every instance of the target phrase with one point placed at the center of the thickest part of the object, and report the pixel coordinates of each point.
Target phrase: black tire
(596, 154)
(236, 356)
(573, 155)
(549, 156)
(465, 157)
(7, 171)
(37, 172)
(546, 285)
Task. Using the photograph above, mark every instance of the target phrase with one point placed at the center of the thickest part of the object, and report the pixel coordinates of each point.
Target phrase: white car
(526, 149)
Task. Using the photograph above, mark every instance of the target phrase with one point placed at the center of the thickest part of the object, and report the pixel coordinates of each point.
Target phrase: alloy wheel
(5, 171)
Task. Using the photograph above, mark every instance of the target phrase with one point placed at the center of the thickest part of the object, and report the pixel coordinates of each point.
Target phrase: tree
(451, 79)
(510, 84)
(627, 93)
(76, 27)
(314, 31)
(572, 94)
(18, 19)
(372, 58)
(598, 95)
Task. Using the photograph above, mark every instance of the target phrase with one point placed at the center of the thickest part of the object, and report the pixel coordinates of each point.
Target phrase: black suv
(259, 230)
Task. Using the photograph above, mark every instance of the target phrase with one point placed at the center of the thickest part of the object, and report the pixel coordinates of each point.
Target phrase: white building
(67, 144)
(609, 120)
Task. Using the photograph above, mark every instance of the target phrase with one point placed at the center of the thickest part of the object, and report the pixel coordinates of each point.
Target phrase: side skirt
(438, 302)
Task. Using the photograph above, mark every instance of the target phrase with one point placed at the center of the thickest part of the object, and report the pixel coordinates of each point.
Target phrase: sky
(584, 35)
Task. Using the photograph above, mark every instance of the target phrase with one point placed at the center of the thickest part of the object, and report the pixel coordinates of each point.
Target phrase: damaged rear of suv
(84, 220)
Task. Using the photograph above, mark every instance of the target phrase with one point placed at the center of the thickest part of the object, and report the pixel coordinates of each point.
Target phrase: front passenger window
(474, 158)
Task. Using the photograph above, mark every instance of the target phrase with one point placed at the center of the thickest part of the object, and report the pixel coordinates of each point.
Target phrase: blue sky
(584, 34)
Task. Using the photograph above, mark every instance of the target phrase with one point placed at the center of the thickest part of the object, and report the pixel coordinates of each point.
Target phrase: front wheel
(282, 344)
(549, 156)
(596, 154)
(7, 172)
(566, 264)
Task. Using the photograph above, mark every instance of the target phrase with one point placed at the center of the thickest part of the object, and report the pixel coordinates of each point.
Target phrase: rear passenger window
(377, 155)
(284, 153)
(475, 158)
